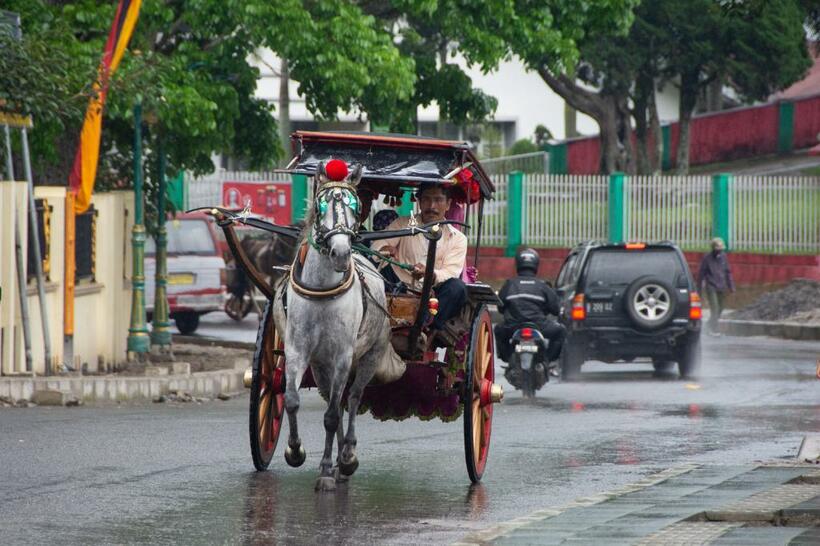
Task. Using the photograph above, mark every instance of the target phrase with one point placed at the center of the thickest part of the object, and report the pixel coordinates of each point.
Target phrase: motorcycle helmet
(527, 259)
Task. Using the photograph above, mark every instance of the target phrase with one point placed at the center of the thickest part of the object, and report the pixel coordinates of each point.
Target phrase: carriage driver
(451, 253)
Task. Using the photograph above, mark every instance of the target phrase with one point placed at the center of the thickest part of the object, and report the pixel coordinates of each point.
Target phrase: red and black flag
(84, 171)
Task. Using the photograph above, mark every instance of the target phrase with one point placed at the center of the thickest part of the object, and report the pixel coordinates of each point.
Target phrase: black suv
(628, 301)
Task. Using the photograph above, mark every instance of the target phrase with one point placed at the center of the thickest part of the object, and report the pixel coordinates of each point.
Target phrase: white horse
(334, 324)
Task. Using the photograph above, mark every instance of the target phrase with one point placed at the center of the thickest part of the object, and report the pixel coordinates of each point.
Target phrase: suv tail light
(578, 311)
(526, 333)
(695, 306)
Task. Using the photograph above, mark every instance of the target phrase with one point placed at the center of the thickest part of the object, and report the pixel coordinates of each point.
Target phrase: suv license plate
(600, 307)
(526, 349)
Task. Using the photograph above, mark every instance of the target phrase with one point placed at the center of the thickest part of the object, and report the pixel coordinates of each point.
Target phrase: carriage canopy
(392, 161)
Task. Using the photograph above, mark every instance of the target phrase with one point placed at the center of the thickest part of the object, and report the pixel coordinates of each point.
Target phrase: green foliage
(542, 136)
(522, 146)
(188, 64)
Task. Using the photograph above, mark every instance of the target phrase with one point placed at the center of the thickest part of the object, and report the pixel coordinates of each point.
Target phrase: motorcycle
(528, 368)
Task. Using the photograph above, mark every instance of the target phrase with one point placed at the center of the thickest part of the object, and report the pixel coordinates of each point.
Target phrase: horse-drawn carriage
(445, 374)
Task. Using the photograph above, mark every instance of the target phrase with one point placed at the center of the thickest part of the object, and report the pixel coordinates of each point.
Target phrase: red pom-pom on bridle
(336, 170)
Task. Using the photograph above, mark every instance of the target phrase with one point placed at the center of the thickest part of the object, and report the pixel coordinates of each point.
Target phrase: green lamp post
(138, 341)
(161, 327)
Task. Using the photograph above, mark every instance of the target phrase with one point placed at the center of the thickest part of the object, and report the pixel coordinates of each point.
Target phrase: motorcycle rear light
(578, 311)
(695, 306)
(526, 333)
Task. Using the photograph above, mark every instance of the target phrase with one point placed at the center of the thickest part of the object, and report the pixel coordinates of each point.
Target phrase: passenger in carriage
(451, 252)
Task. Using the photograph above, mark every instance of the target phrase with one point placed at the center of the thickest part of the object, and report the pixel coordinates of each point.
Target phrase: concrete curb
(119, 389)
(784, 330)
(213, 342)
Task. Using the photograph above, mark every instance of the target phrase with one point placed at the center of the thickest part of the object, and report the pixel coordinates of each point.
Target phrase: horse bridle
(335, 195)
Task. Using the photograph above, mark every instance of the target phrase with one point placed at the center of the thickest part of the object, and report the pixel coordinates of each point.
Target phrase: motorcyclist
(526, 298)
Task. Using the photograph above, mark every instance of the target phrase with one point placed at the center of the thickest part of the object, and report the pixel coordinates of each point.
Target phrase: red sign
(270, 200)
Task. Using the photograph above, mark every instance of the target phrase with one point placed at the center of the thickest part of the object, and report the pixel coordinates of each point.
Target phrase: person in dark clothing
(526, 298)
(715, 280)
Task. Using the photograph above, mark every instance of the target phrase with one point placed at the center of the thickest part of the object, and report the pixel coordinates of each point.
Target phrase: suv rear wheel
(689, 359)
(650, 302)
(571, 360)
(187, 322)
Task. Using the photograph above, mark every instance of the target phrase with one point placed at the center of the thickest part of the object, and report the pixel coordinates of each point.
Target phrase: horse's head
(336, 211)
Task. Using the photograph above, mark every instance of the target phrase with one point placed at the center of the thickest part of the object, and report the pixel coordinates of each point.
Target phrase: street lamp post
(160, 327)
(138, 341)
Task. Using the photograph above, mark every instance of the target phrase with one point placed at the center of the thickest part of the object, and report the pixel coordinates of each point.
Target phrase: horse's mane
(308, 220)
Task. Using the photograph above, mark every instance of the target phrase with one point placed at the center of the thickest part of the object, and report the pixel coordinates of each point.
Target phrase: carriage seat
(403, 309)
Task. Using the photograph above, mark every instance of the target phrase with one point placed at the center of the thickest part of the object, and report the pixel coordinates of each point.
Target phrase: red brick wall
(747, 269)
(720, 136)
(806, 122)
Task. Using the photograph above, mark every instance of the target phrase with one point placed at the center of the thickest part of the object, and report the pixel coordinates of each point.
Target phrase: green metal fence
(772, 215)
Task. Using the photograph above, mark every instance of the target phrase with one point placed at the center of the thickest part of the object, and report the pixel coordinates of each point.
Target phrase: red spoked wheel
(267, 405)
(480, 393)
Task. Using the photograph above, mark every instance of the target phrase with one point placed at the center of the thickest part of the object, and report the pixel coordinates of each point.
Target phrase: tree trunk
(599, 108)
(656, 158)
(714, 95)
(610, 151)
(639, 113)
(626, 149)
(284, 109)
(442, 59)
(688, 101)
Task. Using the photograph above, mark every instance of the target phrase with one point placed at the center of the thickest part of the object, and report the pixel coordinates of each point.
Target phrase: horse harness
(335, 195)
(294, 274)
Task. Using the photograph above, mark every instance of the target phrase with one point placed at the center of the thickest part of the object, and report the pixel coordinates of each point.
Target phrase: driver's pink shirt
(451, 251)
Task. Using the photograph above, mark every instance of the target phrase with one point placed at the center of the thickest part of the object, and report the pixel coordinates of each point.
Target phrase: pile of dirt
(798, 301)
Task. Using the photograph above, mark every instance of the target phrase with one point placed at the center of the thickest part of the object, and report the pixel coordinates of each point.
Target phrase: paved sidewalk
(771, 504)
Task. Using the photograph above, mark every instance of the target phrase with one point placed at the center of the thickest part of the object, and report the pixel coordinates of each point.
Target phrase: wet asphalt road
(183, 474)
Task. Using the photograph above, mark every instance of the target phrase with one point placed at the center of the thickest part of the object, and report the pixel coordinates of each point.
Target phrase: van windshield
(185, 237)
(617, 266)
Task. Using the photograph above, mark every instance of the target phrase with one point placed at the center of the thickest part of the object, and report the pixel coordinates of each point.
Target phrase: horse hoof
(325, 484)
(295, 457)
(340, 478)
(349, 467)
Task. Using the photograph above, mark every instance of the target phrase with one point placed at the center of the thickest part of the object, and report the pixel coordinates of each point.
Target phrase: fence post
(785, 127)
(618, 208)
(722, 208)
(298, 197)
(515, 211)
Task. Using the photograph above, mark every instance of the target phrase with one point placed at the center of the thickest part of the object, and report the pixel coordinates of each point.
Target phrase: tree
(522, 146)
(188, 65)
(757, 47)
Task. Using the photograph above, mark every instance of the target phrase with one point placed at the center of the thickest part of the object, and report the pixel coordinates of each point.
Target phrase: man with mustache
(434, 201)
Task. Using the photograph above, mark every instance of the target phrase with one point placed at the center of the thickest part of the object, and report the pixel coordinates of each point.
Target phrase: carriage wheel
(267, 405)
(479, 394)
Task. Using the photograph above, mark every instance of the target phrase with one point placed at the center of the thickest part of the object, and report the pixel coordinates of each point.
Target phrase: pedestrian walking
(714, 281)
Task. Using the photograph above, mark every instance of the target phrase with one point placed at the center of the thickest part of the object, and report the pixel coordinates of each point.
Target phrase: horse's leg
(326, 482)
(295, 452)
(340, 441)
(348, 462)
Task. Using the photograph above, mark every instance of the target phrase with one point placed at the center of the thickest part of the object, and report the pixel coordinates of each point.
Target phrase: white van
(196, 271)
